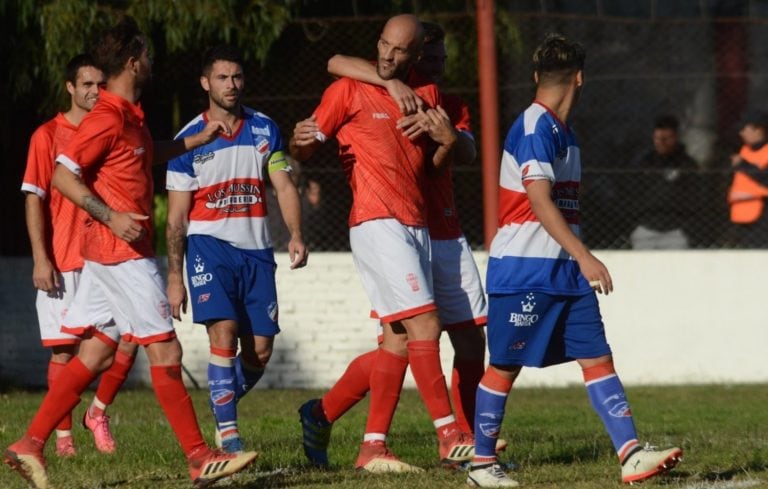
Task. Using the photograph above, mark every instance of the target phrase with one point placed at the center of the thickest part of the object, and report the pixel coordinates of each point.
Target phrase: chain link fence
(704, 71)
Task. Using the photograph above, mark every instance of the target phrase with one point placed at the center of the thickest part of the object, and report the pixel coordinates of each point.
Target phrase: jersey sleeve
(535, 155)
(39, 170)
(91, 143)
(180, 173)
(333, 110)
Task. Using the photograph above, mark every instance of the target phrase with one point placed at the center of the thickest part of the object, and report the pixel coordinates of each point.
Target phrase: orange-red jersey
(443, 217)
(384, 169)
(63, 218)
(112, 150)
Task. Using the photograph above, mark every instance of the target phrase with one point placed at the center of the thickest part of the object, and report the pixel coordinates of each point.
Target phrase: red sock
(350, 388)
(54, 369)
(424, 357)
(466, 377)
(386, 382)
(113, 379)
(61, 398)
(177, 406)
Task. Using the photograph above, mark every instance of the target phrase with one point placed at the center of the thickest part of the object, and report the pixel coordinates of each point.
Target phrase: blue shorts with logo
(229, 283)
(534, 329)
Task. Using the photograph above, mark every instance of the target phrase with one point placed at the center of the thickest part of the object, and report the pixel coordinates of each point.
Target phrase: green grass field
(554, 436)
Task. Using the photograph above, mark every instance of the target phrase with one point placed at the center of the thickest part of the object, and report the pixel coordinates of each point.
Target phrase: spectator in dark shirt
(664, 191)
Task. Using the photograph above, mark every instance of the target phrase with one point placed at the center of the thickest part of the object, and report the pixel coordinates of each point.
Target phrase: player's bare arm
(540, 196)
(44, 275)
(290, 208)
(436, 124)
(168, 150)
(179, 205)
(125, 225)
(361, 70)
(304, 141)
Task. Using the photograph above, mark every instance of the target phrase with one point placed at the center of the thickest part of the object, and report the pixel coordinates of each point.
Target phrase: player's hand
(298, 252)
(306, 131)
(736, 159)
(177, 297)
(127, 226)
(406, 98)
(596, 274)
(438, 126)
(45, 277)
(212, 130)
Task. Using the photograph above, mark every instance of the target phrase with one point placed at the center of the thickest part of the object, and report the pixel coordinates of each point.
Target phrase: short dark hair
(117, 44)
(222, 52)
(73, 67)
(433, 33)
(667, 122)
(557, 57)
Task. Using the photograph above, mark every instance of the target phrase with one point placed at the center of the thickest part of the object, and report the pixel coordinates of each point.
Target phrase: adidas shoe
(457, 448)
(645, 462)
(375, 457)
(102, 437)
(26, 457)
(489, 475)
(65, 446)
(316, 435)
(214, 465)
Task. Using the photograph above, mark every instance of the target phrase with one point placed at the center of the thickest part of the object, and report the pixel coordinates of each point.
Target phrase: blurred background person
(664, 195)
(749, 189)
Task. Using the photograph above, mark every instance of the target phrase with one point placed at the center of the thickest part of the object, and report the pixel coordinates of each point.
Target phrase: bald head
(399, 46)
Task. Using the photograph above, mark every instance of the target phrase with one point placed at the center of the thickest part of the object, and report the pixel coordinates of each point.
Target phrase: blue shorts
(229, 283)
(534, 329)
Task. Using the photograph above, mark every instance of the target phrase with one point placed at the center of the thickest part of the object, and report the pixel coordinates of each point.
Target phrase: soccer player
(106, 170)
(53, 224)
(459, 293)
(217, 212)
(542, 306)
(389, 238)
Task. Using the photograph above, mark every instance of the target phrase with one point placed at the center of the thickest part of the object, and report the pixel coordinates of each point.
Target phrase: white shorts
(126, 300)
(51, 308)
(459, 291)
(393, 263)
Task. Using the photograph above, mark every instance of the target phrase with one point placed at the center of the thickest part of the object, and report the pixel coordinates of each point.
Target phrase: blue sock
(489, 413)
(221, 384)
(607, 396)
(247, 377)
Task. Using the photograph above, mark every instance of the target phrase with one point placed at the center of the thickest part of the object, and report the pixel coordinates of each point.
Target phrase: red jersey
(443, 217)
(384, 169)
(112, 149)
(62, 217)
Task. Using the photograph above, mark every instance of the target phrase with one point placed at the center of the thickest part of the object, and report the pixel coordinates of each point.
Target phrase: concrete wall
(675, 317)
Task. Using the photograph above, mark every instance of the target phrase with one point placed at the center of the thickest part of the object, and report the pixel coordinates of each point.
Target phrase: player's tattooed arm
(176, 240)
(97, 208)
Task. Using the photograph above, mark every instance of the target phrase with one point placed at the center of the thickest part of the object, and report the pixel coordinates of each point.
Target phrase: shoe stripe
(216, 467)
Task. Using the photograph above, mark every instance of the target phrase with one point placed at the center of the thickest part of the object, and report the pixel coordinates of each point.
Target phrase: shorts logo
(164, 309)
(272, 311)
(518, 346)
(203, 298)
(201, 277)
(220, 397)
(526, 318)
(412, 281)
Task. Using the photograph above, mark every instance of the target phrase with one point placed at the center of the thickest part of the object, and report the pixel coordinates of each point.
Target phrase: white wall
(675, 317)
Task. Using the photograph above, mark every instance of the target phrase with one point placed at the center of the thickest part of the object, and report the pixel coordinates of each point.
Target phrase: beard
(224, 103)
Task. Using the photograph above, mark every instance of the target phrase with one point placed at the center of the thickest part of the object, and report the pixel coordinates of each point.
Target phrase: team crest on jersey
(262, 146)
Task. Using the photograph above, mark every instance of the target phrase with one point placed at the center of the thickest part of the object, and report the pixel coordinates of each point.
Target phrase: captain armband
(278, 162)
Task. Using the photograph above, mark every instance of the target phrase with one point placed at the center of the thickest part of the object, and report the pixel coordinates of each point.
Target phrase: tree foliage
(48, 33)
